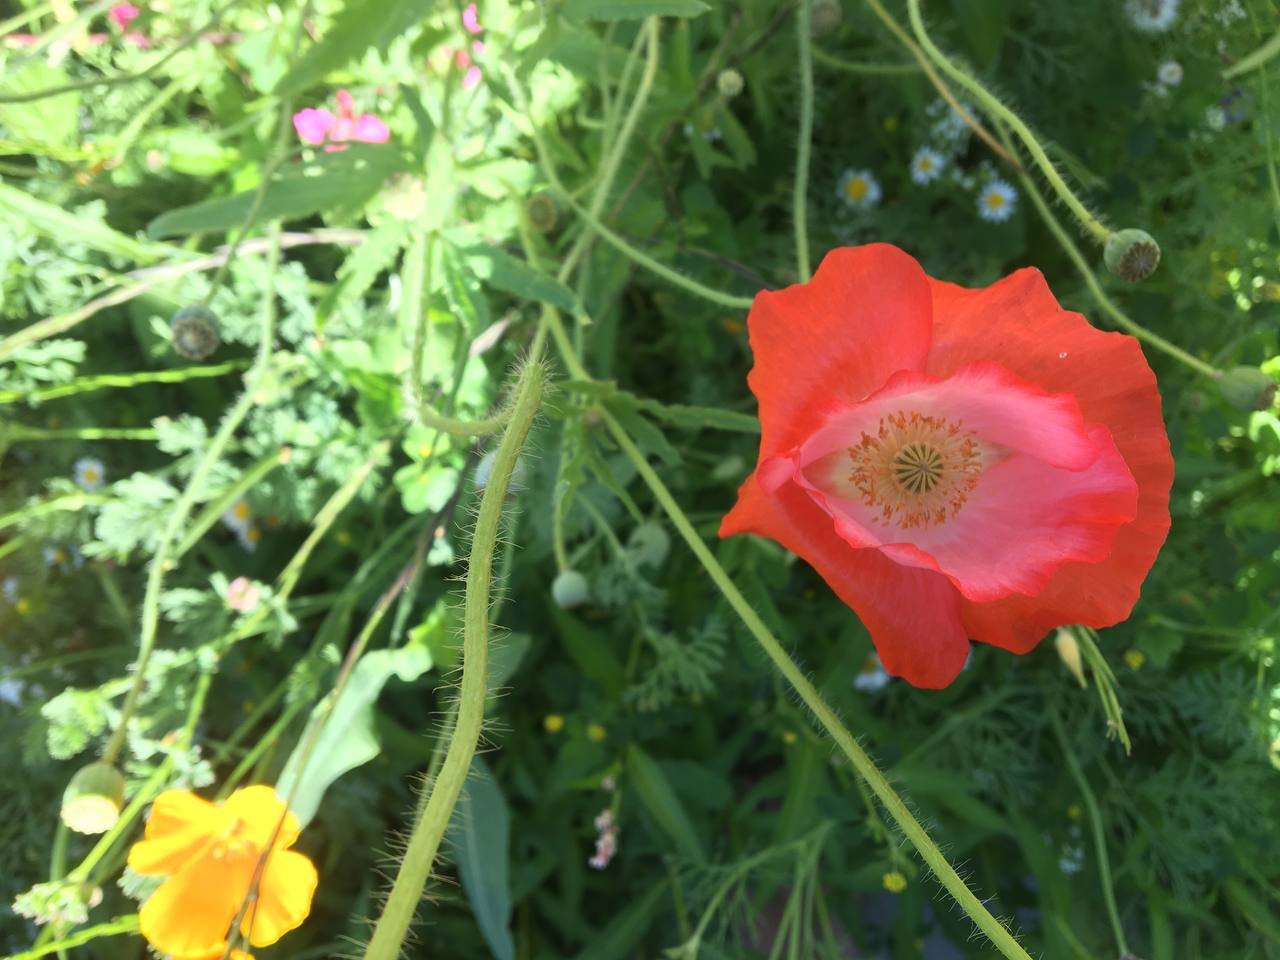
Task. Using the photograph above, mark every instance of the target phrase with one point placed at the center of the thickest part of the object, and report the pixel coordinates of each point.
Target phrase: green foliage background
(730, 807)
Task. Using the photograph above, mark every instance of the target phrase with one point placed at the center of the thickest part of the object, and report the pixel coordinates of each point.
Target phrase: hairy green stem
(1122, 320)
(1095, 826)
(117, 380)
(800, 194)
(996, 932)
(862, 66)
(994, 108)
(415, 868)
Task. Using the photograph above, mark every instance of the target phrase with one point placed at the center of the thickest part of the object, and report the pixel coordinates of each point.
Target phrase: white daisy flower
(872, 676)
(238, 516)
(859, 189)
(249, 536)
(9, 587)
(55, 557)
(1170, 73)
(1152, 16)
(997, 200)
(926, 165)
(950, 126)
(90, 473)
(1215, 117)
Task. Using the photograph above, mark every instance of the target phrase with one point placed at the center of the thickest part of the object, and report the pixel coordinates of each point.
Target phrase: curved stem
(431, 417)
(1252, 61)
(1095, 826)
(800, 196)
(996, 932)
(1122, 320)
(420, 855)
(862, 66)
(996, 109)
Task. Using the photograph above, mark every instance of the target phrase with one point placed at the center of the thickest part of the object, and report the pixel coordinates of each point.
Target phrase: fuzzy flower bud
(1247, 388)
(569, 589)
(93, 798)
(543, 212)
(648, 545)
(729, 83)
(194, 332)
(826, 17)
(1131, 254)
(1069, 653)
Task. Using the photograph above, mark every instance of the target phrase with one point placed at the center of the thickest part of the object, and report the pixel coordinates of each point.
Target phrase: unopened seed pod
(570, 589)
(194, 332)
(93, 799)
(1131, 254)
(1247, 388)
(543, 212)
(825, 17)
(1069, 653)
(729, 83)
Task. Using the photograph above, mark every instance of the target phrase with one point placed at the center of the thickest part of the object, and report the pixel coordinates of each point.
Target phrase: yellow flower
(553, 723)
(596, 733)
(788, 737)
(209, 854)
(1134, 659)
(894, 882)
(1074, 812)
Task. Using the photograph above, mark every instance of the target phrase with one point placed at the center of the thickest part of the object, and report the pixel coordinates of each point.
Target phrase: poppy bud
(1131, 254)
(1247, 388)
(543, 212)
(1069, 653)
(92, 801)
(194, 332)
(729, 83)
(569, 589)
(825, 17)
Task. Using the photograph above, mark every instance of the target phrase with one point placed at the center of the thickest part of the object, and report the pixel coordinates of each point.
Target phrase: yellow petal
(191, 912)
(176, 810)
(260, 809)
(284, 898)
(170, 853)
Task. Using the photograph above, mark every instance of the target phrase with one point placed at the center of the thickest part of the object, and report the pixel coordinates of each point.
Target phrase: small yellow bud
(788, 737)
(1069, 653)
(1074, 812)
(596, 733)
(553, 723)
(1134, 659)
(894, 882)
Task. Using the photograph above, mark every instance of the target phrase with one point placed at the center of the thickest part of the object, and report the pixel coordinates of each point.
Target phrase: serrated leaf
(50, 120)
(463, 291)
(361, 25)
(498, 269)
(377, 253)
(347, 739)
(333, 183)
(64, 225)
(632, 9)
(480, 834)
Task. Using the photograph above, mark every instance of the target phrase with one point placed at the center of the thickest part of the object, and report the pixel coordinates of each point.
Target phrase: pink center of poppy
(915, 470)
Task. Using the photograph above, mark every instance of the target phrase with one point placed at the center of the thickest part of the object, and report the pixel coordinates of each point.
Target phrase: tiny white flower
(90, 473)
(1170, 73)
(1152, 16)
(1215, 117)
(11, 691)
(249, 535)
(1230, 12)
(926, 165)
(9, 587)
(872, 676)
(950, 126)
(997, 200)
(859, 189)
(238, 516)
(1072, 860)
(55, 557)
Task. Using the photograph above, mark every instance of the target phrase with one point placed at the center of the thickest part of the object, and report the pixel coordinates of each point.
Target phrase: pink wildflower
(242, 594)
(316, 126)
(606, 841)
(470, 19)
(313, 125)
(123, 14)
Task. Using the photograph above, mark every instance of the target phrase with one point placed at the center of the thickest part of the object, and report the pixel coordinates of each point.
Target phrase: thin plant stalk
(804, 141)
(420, 854)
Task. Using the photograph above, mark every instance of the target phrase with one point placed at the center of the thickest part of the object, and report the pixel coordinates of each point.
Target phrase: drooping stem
(800, 195)
(996, 932)
(997, 110)
(420, 855)
(1095, 827)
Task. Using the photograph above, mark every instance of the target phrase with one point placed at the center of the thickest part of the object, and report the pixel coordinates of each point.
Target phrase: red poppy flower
(955, 463)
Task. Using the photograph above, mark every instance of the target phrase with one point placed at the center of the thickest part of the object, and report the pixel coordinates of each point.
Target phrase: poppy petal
(912, 614)
(190, 913)
(261, 810)
(1114, 386)
(284, 898)
(179, 828)
(865, 315)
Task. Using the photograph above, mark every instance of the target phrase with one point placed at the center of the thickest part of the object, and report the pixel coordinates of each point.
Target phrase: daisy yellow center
(926, 164)
(240, 511)
(90, 475)
(995, 200)
(915, 470)
(857, 188)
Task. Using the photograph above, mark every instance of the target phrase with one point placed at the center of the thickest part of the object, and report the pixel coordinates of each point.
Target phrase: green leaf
(505, 656)
(361, 25)
(463, 292)
(590, 651)
(620, 937)
(985, 23)
(480, 834)
(500, 270)
(347, 739)
(658, 797)
(632, 9)
(50, 120)
(379, 251)
(332, 183)
(80, 226)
